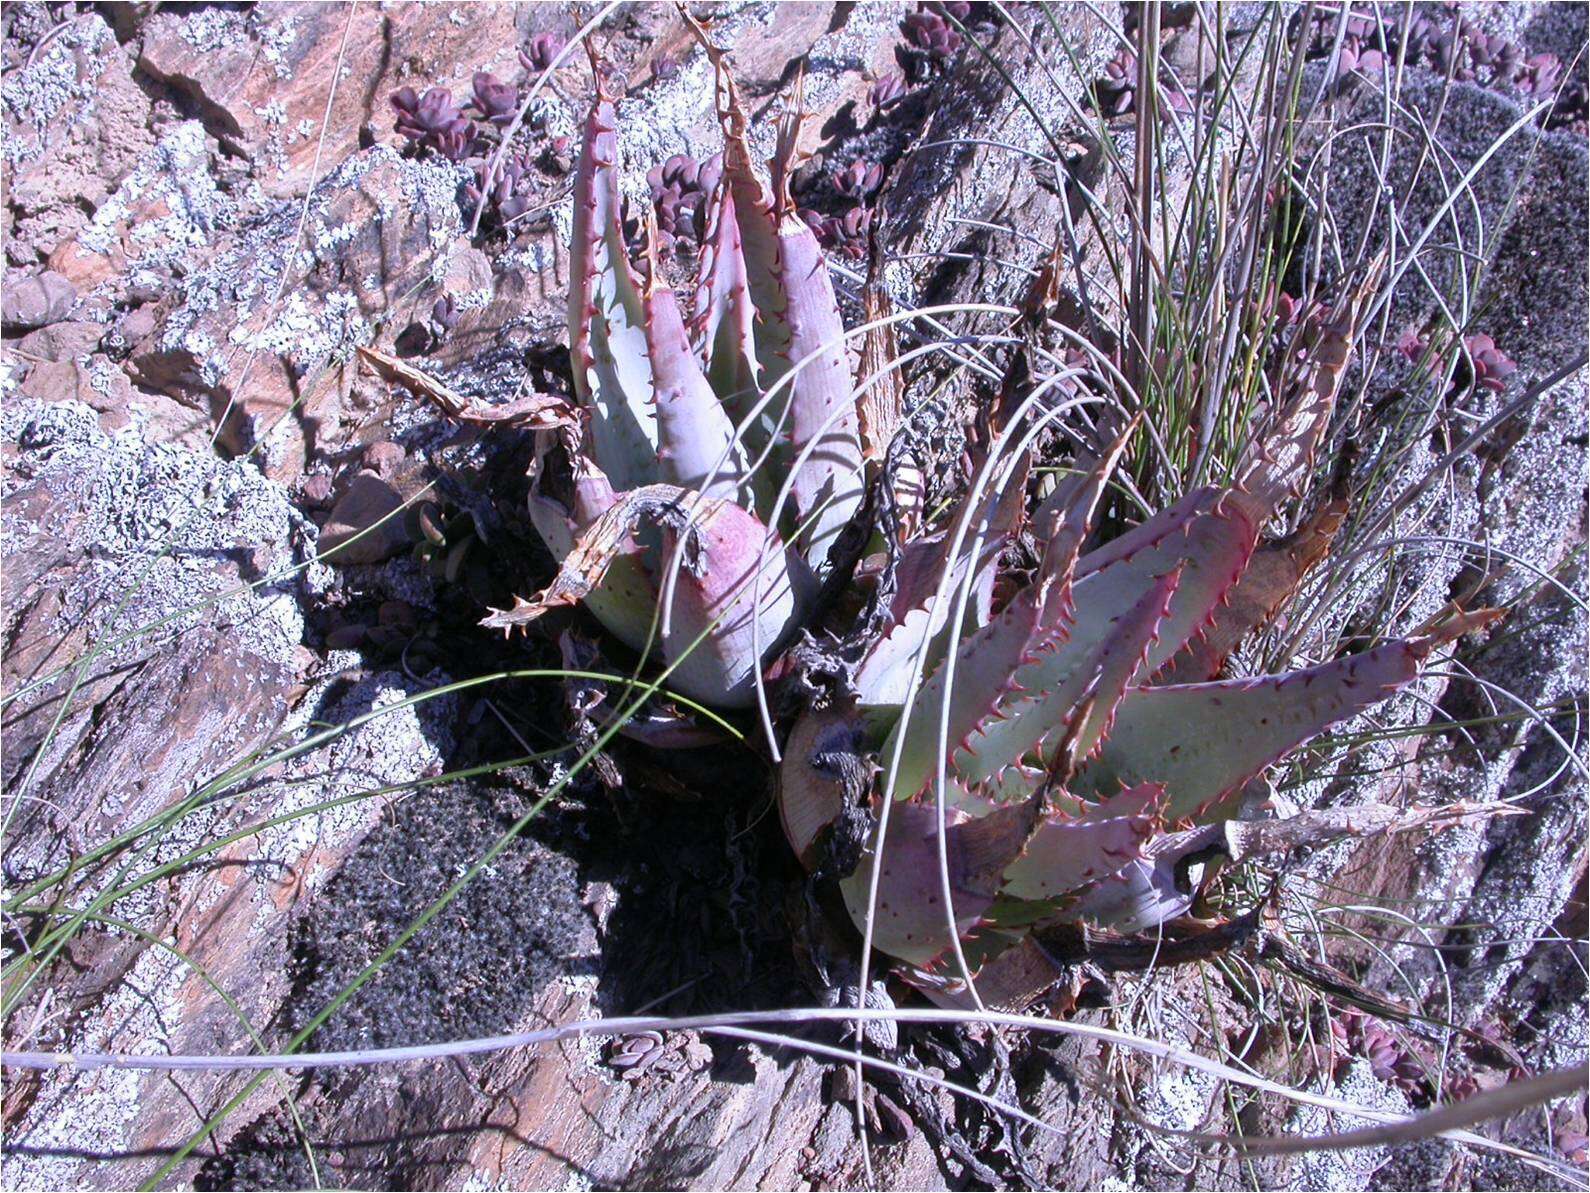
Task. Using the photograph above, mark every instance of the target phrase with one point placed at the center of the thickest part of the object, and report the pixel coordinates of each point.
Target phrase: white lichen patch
(276, 37)
(98, 1110)
(1353, 1168)
(209, 29)
(174, 192)
(239, 291)
(43, 91)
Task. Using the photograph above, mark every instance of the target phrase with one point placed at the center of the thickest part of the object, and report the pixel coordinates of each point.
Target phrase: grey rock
(36, 301)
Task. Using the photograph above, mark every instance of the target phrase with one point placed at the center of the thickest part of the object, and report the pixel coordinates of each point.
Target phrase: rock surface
(195, 257)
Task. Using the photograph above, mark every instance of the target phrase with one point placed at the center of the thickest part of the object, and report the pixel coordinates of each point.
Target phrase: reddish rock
(62, 341)
(84, 267)
(368, 523)
(75, 124)
(97, 383)
(261, 77)
(272, 358)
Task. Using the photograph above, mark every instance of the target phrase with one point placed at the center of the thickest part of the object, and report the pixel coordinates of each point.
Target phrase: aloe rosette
(1071, 757)
(719, 456)
(1018, 751)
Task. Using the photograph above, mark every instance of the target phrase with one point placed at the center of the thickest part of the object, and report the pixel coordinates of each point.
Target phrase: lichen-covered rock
(267, 343)
(110, 1130)
(75, 122)
(169, 579)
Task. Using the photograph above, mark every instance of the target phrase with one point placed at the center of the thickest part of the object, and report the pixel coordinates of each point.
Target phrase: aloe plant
(720, 456)
(1064, 755)
(1070, 756)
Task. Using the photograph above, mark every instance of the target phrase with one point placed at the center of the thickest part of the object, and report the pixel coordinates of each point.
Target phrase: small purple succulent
(846, 234)
(433, 120)
(859, 181)
(666, 67)
(495, 102)
(510, 194)
(420, 337)
(889, 90)
(444, 314)
(1115, 92)
(543, 48)
(671, 1057)
(1491, 365)
(1540, 74)
(980, 18)
(1390, 1059)
(930, 43)
(680, 188)
(1412, 345)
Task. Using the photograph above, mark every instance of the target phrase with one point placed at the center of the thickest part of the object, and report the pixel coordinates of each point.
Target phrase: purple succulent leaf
(1073, 714)
(798, 320)
(1142, 894)
(496, 102)
(1010, 973)
(727, 593)
(607, 339)
(889, 90)
(991, 658)
(726, 327)
(828, 482)
(1272, 576)
(816, 778)
(625, 599)
(910, 923)
(883, 681)
(1279, 458)
(985, 664)
(1062, 523)
(543, 48)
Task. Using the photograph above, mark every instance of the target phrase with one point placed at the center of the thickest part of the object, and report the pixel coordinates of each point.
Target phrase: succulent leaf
(910, 922)
(730, 596)
(1273, 575)
(1204, 741)
(1209, 548)
(985, 663)
(726, 595)
(695, 436)
(1147, 891)
(921, 614)
(1013, 971)
(991, 660)
(626, 600)
(607, 339)
(726, 319)
(1067, 853)
(799, 324)
(825, 772)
